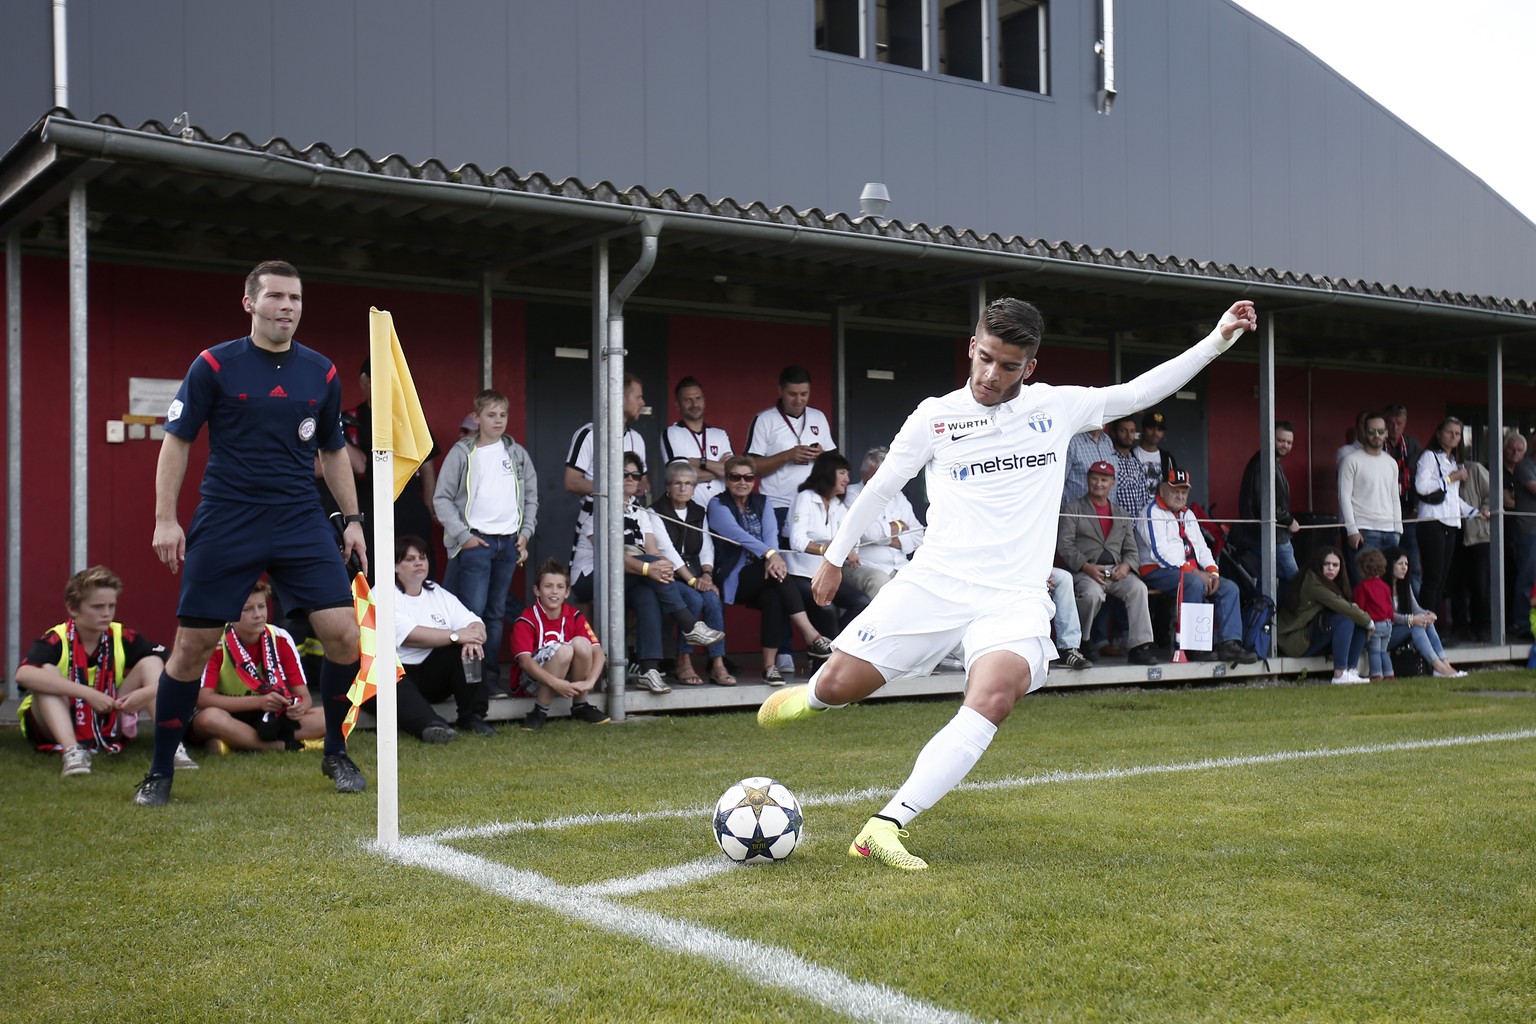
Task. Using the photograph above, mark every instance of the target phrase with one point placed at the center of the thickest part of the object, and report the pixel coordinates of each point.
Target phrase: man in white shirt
(1368, 493)
(993, 453)
(578, 463)
(704, 447)
(890, 539)
(785, 439)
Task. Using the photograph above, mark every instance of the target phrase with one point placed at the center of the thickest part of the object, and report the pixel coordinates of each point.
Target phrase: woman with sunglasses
(683, 519)
(1317, 615)
(751, 571)
(651, 583)
(814, 517)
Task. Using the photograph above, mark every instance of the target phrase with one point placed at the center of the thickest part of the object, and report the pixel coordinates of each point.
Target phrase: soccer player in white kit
(994, 453)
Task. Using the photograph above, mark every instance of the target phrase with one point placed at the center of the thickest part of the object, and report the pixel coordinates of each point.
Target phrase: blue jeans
(1374, 540)
(1426, 640)
(1376, 647)
(1229, 609)
(708, 609)
(1285, 561)
(1332, 630)
(647, 599)
(479, 577)
(1069, 631)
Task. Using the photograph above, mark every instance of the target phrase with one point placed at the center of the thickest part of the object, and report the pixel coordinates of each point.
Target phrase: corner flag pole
(381, 547)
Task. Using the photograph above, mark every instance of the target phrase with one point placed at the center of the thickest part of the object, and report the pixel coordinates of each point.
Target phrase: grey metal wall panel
(394, 80)
(797, 109)
(908, 123)
(1190, 175)
(738, 95)
(611, 84)
(1270, 144)
(314, 73)
(677, 132)
(959, 141)
(470, 86)
(1014, 164)
(26, 69)
(1344, 190)
(240, 78)
(137, 55)
(853, 137)
(545, 102)
(1148, 212)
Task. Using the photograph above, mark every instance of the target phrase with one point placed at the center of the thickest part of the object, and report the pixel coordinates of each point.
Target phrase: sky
(1448, 69)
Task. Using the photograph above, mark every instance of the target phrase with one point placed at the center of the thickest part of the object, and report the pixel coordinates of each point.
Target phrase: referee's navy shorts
(230, 544)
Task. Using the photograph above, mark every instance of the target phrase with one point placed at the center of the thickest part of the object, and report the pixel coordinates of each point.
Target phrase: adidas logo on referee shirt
(277, 392)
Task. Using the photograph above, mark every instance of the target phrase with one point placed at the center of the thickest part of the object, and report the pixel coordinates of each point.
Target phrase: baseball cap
(1177, 478)
(470, 423)
(1154, 419)
(1102, 467)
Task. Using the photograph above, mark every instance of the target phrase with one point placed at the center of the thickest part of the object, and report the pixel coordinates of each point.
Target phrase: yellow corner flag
(366, 684)
(398, 423)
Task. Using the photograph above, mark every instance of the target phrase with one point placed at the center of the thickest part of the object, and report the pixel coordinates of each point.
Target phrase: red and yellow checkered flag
(364, 687)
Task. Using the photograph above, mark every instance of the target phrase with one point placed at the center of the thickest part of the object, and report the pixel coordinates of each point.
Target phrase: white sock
(810, 695)
(947, 758)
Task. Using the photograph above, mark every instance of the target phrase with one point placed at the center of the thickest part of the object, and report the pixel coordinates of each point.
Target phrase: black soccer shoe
(154, 791)
(340, 767)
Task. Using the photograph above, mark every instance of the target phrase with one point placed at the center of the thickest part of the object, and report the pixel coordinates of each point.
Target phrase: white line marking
(501, 828)
(759, 963)
(664, 878)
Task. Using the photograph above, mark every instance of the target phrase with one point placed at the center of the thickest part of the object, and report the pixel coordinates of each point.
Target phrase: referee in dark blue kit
(271, 405)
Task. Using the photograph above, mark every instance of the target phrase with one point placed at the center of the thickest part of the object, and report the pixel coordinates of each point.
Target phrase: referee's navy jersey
(267, 416)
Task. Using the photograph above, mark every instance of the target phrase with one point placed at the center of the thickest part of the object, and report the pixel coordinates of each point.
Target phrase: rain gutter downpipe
(609, 506)
(61, 53)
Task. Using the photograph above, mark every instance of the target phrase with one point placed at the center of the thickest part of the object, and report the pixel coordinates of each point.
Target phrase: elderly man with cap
(1096, 543)
(1173, 549)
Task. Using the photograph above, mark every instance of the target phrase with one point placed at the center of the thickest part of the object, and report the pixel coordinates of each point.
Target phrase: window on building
(963, 39)
(1021, 49)
(1000, 42)
(838, 26)
(901, 32)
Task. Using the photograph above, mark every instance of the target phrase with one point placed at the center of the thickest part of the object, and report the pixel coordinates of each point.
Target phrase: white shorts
(920, 616)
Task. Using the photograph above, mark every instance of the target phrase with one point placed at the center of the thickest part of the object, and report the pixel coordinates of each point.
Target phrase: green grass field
(1116, 856)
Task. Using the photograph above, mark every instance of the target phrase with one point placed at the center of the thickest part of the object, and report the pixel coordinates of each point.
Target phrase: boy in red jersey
(254, 695)
(556, 649)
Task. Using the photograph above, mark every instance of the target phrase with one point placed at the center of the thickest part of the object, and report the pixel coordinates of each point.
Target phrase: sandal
(720, 677)
(772, 676)
(691, 679)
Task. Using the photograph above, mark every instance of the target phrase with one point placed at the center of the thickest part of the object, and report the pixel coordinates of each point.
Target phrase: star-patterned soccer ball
(758, 819)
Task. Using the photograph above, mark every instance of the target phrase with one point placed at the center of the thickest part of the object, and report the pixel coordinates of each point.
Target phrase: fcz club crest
(1039, 422)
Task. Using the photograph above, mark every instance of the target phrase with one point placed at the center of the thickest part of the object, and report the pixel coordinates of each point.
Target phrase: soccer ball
(758, 819)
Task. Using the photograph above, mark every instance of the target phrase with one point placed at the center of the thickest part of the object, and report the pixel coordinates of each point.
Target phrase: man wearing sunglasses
(993, 454)
(1368, 493)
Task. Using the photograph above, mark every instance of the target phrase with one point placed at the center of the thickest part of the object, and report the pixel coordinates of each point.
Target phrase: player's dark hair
(83, 582)
(689, 381)
(794, 375)
(1014, 322)
(823, 475)
(490, 396)
(551, 567)
(277, 268)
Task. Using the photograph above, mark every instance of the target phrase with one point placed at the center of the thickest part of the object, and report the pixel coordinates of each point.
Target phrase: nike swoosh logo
(909, 807)
(961, 437)
(863, 850)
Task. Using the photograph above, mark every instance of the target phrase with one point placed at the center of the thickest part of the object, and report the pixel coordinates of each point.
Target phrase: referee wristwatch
(358, 517)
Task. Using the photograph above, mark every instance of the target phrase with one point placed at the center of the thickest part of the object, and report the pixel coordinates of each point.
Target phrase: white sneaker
(703, 636)
(785, 663)
(1349, 677)
(651, 680)
(77, 761)
(1456, 674)
(183, 761)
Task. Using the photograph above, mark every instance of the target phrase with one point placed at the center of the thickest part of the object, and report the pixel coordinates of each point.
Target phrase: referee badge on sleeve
(307, 428)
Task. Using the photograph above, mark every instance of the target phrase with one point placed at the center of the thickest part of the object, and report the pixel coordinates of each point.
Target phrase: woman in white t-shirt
(435, 634)
(814, 518)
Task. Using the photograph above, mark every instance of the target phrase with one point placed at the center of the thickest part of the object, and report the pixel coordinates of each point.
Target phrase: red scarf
(273, 679)
(91, 729)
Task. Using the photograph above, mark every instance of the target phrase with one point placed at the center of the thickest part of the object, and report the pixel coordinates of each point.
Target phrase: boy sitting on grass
(88, 678)
(557, 650)
(254, 694)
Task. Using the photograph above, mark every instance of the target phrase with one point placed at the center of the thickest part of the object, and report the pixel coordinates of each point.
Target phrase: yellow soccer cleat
(785, 706)
(881, 840)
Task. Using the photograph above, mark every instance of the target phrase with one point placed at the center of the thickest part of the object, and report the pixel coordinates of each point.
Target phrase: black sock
(335, 681)
(646, 664)
(175, 701)
(683, 619)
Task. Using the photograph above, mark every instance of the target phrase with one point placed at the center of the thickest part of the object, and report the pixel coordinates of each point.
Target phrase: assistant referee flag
(401, 428)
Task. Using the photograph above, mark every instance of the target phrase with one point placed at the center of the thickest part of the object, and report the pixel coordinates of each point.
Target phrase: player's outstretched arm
(169, 542)
(1165, 378)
